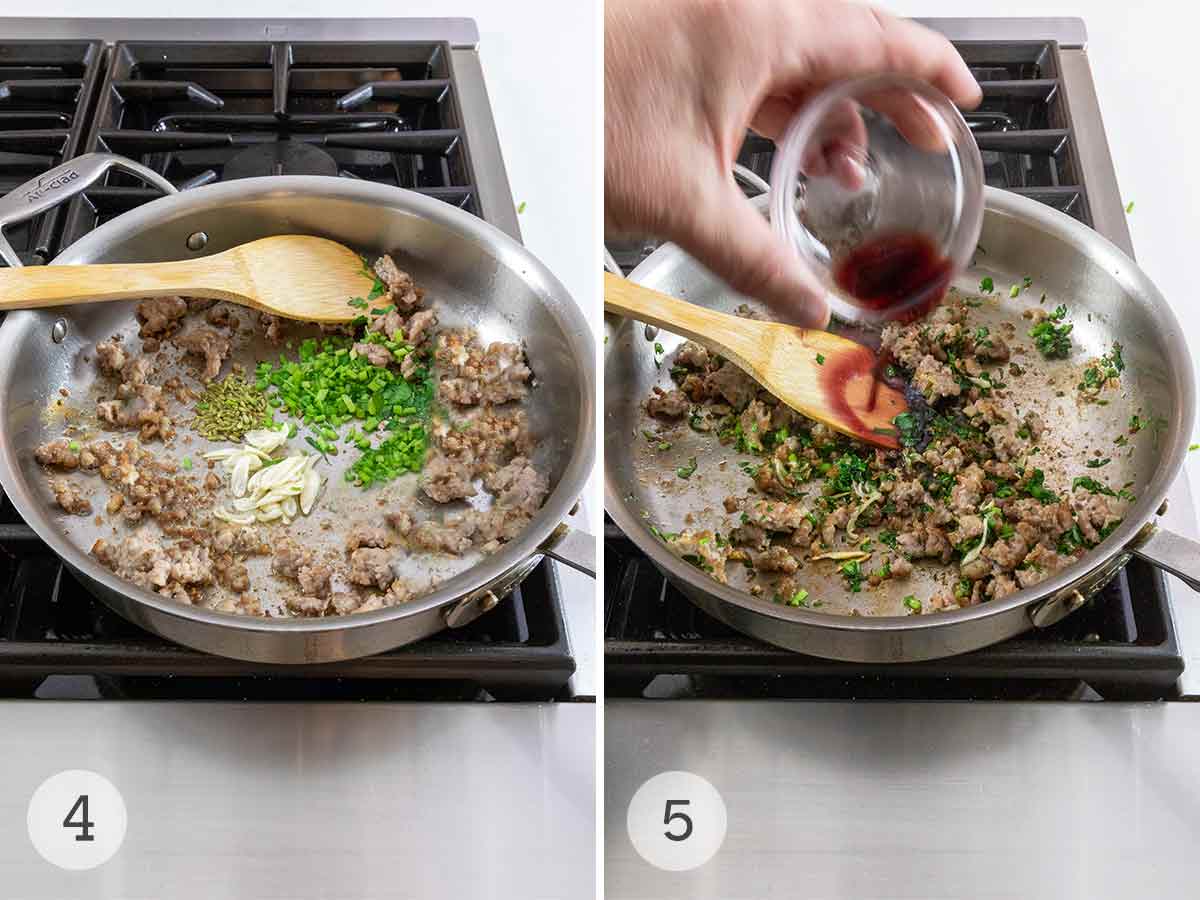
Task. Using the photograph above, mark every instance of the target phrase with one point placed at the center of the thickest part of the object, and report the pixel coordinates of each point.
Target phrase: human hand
(683, 79)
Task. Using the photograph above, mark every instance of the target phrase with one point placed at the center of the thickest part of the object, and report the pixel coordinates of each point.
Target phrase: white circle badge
(676, 821)
(76, 819)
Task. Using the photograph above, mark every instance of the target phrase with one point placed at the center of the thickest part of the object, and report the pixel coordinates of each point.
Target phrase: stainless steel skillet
(473, 274)
(1109, 299)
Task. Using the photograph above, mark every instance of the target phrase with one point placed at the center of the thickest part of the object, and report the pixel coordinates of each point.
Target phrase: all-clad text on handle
(61, 183)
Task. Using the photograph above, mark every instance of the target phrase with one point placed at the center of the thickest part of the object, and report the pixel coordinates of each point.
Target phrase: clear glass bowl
(878, 185)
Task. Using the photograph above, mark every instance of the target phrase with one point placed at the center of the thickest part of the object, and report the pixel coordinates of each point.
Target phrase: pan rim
(508, 252)
(1131, 277)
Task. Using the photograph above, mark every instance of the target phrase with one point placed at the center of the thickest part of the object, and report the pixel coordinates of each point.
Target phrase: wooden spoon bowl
(292, 275)
(823, 376)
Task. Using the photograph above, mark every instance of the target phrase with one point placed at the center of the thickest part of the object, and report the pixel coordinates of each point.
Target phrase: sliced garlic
(308, 495)
(267, 439)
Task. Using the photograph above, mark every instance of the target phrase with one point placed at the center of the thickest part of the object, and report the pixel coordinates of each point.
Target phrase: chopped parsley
(986, 286)
(1070, 541)
(851, 469)
(1092, 486)
(1129, 207)
(912, 603)
(73, 446)
(1101, 463)
(520, 207)
(1108, 367)
(1026, 283)
(1192, 447)
(1035, 487)
(658, 353)
(820, 359)
(1052, 338)
(962, 590)
(799, 598)
(909, 427)
(887, 538)
(686, 471)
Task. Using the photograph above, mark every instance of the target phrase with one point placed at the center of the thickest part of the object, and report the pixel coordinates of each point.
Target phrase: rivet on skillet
(58, 331)
(470, 608)
(197, 240)
(651, 332)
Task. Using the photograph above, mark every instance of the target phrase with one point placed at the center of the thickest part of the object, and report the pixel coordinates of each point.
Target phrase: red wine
(889, 271)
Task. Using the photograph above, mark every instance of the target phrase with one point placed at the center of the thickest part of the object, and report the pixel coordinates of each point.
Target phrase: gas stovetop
(398, 102)
(1040, 135)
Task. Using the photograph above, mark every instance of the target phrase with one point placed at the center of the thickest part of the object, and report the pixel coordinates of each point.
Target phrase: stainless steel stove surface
(1040, 135)
(398, 102)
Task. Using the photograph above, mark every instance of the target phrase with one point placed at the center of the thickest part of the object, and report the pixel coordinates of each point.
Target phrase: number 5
(669, 817)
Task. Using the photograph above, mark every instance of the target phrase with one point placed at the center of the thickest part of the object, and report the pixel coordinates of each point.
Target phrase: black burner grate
(199, 113)
(46, 88)
(1121, 644)
(51, 626)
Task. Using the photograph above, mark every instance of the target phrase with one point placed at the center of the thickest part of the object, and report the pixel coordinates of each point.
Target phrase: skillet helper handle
(61, 183)
(573, 548)
(1172, 553)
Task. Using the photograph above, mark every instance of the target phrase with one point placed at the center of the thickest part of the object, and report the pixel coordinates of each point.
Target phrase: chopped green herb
(1014, 291)
(1070, 541)
(357, 302)
(1108, 367)
(888, 538)
(912, 603)
(962, 590)
(1129, 207)
(186, 462)
(658, 352)
(688, 470)
(1092, 486)
(1101, 463)
(799, 598)
(1035, 487)
(1051, 338)
(820, 359)
(402, 451)
(73, 446)
(853, 573)
(1026, 283)
(986, 286)
(1192, 447)
(520, 207)
(909, 427)
(663, 445)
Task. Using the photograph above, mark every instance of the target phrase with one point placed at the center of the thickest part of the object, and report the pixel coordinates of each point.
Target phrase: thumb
(735, 241)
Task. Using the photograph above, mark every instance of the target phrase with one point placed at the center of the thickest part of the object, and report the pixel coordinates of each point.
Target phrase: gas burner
(279, 158)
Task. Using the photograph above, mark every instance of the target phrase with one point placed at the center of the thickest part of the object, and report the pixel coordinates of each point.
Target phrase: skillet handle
(573, 548)
(1171, 552)
(45, 192)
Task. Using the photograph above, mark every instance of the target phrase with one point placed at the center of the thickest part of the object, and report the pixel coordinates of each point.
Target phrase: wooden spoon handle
(707, 326)
(33, 287)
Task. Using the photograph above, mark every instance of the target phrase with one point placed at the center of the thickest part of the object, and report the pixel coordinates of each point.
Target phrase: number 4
(669, 817)
(85, 825)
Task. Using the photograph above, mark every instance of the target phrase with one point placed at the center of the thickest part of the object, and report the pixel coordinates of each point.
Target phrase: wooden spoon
(291, 275)
(826, 377)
